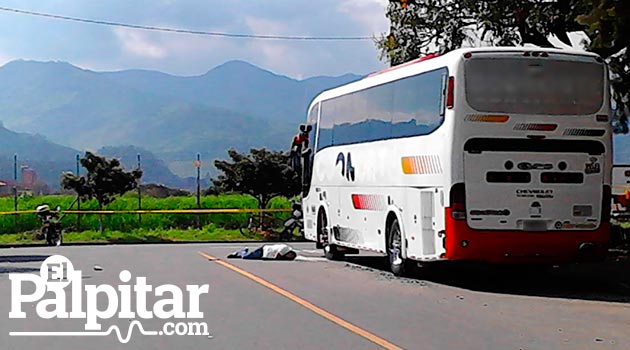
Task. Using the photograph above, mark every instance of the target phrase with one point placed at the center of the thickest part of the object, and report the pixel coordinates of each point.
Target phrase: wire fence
(134, 210)
(227, 212)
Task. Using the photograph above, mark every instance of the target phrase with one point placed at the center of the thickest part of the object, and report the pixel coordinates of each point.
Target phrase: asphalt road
(312, 303)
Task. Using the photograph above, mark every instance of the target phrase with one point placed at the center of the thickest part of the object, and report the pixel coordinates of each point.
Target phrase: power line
(187, 31)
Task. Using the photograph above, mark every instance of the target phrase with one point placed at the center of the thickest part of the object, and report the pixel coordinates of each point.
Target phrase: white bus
(495, 154)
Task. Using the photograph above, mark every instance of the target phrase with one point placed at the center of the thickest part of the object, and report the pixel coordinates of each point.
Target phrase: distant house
(27, 187)
(29, 177)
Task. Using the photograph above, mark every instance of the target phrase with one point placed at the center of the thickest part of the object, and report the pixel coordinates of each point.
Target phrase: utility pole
(139, 194)
(78, 197)
(198, 165)
(15, 198)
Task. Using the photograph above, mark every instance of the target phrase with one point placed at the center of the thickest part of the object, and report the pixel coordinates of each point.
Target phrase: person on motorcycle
(51, 229)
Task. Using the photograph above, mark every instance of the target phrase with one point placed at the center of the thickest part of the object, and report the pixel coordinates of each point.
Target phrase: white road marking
(309, 258)
(312, 251)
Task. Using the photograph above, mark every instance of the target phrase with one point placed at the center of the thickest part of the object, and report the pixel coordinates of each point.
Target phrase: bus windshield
(530, 85)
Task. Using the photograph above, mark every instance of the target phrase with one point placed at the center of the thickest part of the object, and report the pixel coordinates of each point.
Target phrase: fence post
(198, 165)
(139, 195)
(15, 198)
(78, 198)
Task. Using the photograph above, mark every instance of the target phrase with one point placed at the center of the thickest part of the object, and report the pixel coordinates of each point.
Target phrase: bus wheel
(322, 223)
(332, 252)
(397, 264)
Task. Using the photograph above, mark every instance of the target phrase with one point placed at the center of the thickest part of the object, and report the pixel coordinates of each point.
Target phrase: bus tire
(397, 264)
(332, 252)
(322, 222)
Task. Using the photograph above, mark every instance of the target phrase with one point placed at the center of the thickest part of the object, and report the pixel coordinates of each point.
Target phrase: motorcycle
(51, 225)
(296, 221)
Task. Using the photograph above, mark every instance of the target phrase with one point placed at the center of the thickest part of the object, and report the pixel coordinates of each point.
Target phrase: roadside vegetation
(206, 233)
(260, 179)
(126, 226)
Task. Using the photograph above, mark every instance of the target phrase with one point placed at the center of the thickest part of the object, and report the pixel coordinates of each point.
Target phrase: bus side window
(418, 101)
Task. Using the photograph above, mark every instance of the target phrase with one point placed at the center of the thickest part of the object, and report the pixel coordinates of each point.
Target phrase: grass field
(131, 227)
(208, 233)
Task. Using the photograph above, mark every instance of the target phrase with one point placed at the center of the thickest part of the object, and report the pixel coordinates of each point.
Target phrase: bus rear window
(534, 85)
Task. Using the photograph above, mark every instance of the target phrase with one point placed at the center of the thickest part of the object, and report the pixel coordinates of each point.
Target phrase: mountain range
(235, 105)
(50, 160)
(51, 111)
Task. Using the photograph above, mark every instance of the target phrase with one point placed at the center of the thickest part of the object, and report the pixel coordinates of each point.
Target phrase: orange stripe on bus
(428, 164)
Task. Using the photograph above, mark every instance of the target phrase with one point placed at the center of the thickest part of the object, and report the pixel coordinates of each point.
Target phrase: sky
(98, 47)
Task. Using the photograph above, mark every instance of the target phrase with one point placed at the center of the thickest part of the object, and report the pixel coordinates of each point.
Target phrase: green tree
(420, 27)
(263, 174)
(105, 179)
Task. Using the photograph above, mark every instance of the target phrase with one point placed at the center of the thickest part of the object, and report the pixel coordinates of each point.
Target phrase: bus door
(424, 222)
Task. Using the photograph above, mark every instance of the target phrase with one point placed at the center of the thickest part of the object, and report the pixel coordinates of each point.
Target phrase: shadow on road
(22, 258)
(15, 269)
(11, 259)
(606, 281)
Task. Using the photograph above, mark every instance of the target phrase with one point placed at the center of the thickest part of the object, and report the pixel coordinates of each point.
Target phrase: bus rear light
(544, 54)
(535, 127)
(458, 201)
(487, 118)
(450, 93)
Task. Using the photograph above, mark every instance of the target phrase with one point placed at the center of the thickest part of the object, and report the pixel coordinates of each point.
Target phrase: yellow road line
(316, 309)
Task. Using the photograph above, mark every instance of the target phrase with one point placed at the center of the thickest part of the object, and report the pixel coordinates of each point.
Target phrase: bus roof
(430, 62)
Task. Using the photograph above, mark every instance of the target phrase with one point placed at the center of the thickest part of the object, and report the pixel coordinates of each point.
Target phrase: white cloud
(138, 43)
(266, 26)
(101, 47)
(275, 55)
(370, 14)
(4, 59)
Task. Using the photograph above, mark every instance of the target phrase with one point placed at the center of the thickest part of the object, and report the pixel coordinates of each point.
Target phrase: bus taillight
(458, 201)
(450, 93)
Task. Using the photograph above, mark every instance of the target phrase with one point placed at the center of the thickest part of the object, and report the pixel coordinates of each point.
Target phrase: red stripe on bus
(511, 246)
(368, 202)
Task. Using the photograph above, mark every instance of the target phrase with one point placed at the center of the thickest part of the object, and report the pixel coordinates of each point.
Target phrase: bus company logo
(592, 167)
(534, 166)
(57, 276)
(347, 170)
(534, 193)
